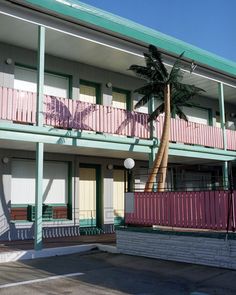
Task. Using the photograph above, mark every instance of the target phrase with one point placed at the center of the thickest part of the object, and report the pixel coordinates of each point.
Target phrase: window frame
(97, 87)
(128, 96)
(69, 191)
(59, 74)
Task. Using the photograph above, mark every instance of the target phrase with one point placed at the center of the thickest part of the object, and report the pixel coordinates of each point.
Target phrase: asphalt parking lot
(104, 273)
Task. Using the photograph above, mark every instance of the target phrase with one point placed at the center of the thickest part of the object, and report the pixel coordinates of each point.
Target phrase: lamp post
(129, 165)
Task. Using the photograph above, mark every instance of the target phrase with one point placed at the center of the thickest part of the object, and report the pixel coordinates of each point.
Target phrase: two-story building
(67, 118)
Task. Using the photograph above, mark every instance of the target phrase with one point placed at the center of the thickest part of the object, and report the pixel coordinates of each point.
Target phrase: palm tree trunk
(163, 169)
(163, 143)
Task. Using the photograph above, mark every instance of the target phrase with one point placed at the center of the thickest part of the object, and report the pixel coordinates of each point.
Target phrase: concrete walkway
(22, 250)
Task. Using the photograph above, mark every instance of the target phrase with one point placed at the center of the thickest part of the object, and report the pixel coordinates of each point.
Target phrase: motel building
(67, 118)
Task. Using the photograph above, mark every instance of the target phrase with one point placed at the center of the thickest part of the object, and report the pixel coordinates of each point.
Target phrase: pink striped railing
(16, 105)
(67, 113)
(200, 210)
(231, 140)
(20, 106)
(192, 133)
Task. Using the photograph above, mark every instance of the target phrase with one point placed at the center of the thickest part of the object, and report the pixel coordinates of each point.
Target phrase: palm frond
(142, 72)
(157, 55)
(176, 73)
(191, 89)
(143, 101)
(181, 114)
(159, 110)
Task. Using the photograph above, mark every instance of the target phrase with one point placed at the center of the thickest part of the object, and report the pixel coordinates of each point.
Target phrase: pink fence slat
(192, 133)
(4, 103)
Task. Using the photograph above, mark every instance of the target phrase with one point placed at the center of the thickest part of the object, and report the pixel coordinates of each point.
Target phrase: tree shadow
(135, 120)
(71, 115)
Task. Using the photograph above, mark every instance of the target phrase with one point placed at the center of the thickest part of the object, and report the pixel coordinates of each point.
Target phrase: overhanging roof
(98, 18)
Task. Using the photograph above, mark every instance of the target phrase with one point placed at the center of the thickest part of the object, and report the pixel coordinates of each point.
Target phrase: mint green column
(222, 122)
(38, 230)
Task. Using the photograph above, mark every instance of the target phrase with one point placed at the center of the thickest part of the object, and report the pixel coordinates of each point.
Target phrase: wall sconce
(232, 115)
(8, 61)
(5, 160)
(109, 85)
(109, 166)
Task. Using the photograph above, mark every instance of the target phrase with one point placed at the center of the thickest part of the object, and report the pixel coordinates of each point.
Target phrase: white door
(87, 196)
(118, 196)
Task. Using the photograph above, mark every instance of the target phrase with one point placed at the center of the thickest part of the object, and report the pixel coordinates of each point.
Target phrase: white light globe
(129, 163)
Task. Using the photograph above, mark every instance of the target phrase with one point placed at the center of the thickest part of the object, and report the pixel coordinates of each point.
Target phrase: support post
(38, 229)
(222, 113)
(225, 175)
(222, 123)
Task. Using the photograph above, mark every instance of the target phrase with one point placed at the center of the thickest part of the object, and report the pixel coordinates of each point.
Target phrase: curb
(12, 256)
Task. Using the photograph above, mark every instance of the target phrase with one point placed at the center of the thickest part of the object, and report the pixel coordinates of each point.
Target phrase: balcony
(20, 107)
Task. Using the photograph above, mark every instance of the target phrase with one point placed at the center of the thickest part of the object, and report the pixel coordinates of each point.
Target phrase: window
(26, 79)
(90, 92)
(55, 182)
(197, 115)
(121, 99)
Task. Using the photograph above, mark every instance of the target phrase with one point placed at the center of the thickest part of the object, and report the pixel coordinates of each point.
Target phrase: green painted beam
(175, 149)
(38, 224)
(49, 131)
(78, 11)
(201, 155)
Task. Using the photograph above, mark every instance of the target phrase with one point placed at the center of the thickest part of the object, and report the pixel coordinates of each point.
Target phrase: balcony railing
(20, 106)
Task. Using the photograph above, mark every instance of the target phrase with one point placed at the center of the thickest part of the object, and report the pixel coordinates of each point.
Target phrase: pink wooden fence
(192, 133)
(200, 210)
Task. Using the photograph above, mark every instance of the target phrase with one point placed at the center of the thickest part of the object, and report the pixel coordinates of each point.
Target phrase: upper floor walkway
(20, 107)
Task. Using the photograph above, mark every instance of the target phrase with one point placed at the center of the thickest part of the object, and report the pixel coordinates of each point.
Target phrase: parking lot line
(41, 280)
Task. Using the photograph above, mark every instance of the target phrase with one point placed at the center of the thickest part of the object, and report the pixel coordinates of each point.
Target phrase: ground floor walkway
(107, 239)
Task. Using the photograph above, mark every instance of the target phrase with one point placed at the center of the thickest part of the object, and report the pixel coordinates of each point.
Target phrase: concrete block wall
(209, 251)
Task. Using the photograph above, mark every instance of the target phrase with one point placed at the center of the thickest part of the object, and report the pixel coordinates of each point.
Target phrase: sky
(208, 24)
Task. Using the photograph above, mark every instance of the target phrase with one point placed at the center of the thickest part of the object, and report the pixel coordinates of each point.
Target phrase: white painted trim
(41, 280)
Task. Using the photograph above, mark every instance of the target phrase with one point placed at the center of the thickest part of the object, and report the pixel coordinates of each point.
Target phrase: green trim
(84, 140)
(118, 221)
(69, 77)
(97, 87)
(127, 94)
(87, 222)
(99, 203)
(131, 30)
(69, 206)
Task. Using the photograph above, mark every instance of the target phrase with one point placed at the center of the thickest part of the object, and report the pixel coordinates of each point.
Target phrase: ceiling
(23, 34)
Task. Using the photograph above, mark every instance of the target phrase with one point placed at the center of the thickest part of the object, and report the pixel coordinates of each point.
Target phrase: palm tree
(167, 86)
